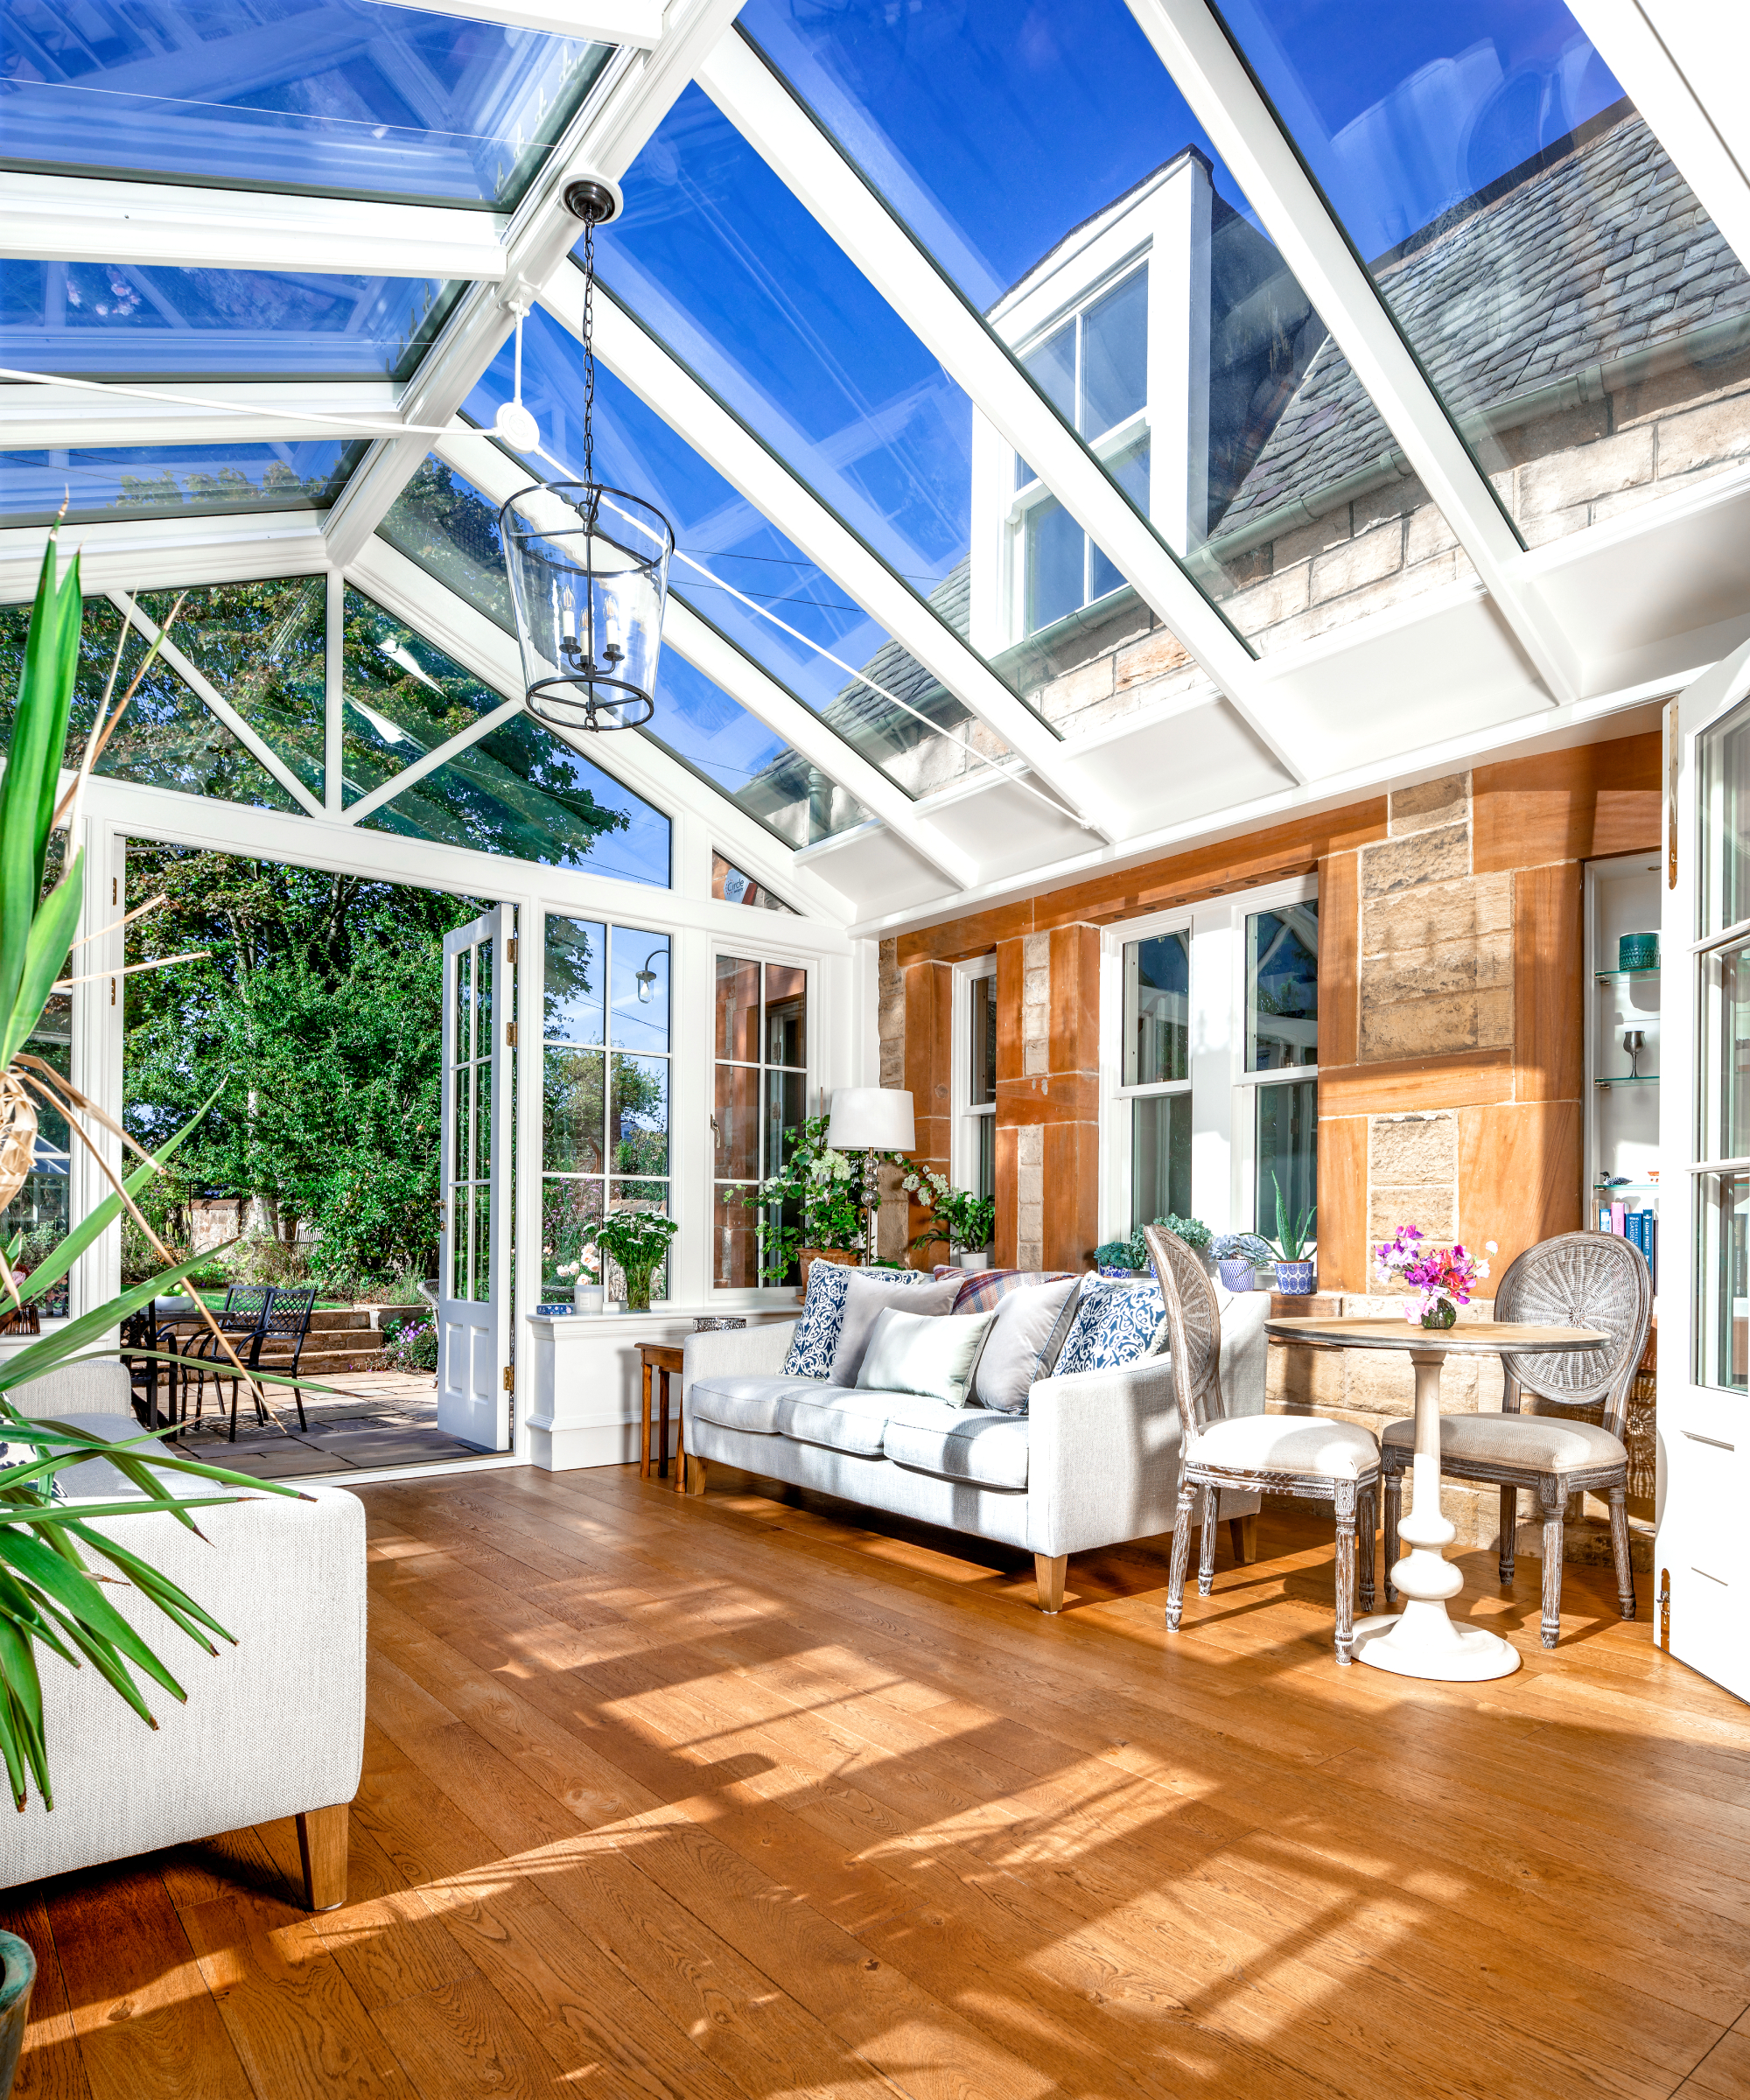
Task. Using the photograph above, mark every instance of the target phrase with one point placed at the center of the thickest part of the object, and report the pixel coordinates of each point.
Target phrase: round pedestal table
(1421, 1641)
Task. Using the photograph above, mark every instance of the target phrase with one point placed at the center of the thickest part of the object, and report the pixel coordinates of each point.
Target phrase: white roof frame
(495, 475)
(636, 24)
(628, 103)
(720, 438)
(485, 650)
(1226, 101)
(191, 225)
(56, 416)
(812, 167)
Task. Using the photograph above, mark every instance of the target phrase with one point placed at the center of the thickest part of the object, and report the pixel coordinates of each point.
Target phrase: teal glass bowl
(1638, 951)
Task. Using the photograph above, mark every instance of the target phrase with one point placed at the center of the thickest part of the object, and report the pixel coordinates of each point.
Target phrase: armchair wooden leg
(1509, 1526)
(1391, 1486)
(1050, 1568)
(1619, 1547)
(1243, 1531)
(1181, 1556)
(1368, 1514)
(322, 1848)
(696, 1470)
(1552, 1496)
(1344, 1499)
(1206, 1546)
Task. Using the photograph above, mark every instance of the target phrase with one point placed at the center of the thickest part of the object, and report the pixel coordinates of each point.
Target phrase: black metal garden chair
(285, 1321)
(238, 1319)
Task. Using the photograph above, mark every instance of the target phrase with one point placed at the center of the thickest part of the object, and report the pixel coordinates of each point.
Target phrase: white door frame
(1701, 1572)
(474, 1333)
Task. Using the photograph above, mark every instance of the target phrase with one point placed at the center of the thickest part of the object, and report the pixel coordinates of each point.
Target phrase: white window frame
(968, 1114)
(1223, 1094)
(762, 951)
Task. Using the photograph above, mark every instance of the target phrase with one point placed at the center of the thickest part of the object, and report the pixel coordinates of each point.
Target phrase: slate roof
(1595, 249)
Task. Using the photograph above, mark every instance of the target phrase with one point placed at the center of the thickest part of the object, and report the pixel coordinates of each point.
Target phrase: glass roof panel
(120, 321)
(698, 722)
(738, 571)
(519, 791)
(719, 260)
(168, 738)
(157, 482)
(442, 521)
(322, 95)
(1584, 322)
(1048, 163)
(262, 646)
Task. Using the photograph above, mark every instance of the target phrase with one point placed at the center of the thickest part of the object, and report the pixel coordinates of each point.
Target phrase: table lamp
(871, 1120)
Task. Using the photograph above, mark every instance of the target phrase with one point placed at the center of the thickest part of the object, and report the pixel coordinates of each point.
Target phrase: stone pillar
(1048, 1097)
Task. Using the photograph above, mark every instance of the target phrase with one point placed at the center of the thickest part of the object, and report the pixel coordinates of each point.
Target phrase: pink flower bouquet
(1443, 1277)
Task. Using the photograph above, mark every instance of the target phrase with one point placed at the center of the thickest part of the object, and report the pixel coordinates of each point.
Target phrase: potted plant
(51, 1598)
(965, 1223)
(1131, 1256)
(1292, 1247)
(1236, 1256)
(812, 1211)
(638, 1240)
(1442, 1276)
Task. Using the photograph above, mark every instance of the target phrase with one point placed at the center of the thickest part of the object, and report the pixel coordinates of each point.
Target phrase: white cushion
(835, 1416)
(958, 1443)
(1540, 1443)
(867, 1295)
(747, 1400)
(910, 1353)
(1022, 1345)
(1308, 1444)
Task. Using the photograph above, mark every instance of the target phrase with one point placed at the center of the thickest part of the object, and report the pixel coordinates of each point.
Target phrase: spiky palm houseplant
(50, 1594)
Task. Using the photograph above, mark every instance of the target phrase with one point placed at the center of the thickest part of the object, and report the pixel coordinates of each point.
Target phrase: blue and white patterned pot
(17, 1973)
(1294, 1279)
(1236, 1275)
(1109, 1269)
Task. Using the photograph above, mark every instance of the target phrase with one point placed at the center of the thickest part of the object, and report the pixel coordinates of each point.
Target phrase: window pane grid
(760, 1093)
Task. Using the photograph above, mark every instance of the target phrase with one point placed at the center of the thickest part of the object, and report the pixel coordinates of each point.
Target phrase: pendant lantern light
(588, 564)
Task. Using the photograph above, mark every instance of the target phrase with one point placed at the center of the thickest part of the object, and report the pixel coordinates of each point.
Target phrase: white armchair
(271, 1727)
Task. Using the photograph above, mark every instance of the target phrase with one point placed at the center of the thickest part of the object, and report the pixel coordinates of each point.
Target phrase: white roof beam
(484, 650)
(187, 226)
(634, 24)
(497, 475)
(777, 127)
(1684, 68)
(147, 554)
(665, 386)
(50, 418)
(632, 96)
(1227, 102)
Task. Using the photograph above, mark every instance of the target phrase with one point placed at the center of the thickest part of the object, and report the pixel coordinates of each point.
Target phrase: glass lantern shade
(588, 581)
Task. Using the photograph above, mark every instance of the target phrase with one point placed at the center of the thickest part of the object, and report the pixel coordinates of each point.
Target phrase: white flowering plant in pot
(965, 1223)
(813, 1206)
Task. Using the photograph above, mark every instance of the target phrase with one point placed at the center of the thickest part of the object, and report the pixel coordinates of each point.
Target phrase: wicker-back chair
(1309, 1455)
(1576, 1280)
(285, 1321)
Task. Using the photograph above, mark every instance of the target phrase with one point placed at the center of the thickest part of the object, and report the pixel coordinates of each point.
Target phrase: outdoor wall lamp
(645, 978)
(588, 565)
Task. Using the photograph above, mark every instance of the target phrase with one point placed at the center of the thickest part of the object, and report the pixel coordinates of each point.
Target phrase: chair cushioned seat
(1540, 1443)
(748, 1400)
(972, 1444)
(1308, 1444)
(841, 1417)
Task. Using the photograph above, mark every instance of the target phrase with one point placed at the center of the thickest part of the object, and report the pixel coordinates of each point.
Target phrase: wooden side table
(659, 1357)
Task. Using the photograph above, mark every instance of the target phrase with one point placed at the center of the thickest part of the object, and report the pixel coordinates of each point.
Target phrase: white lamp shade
(871, 1119)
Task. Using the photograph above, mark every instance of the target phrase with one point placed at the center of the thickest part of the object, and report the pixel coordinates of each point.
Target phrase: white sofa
(1093, 1463)
(274, 1726)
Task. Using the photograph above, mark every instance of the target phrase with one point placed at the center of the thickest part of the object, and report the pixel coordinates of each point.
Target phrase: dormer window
(1093, 368)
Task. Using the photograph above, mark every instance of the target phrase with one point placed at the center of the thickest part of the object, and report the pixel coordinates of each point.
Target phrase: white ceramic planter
(969, 1259)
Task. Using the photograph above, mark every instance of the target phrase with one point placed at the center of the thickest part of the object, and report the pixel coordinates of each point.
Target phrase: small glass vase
(1441, 1316)
(638, 1289)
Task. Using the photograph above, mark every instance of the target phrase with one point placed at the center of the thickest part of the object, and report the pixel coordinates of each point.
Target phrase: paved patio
(362, 1421)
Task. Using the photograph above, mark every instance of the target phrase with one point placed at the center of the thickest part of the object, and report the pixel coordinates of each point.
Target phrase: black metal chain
(589, 348)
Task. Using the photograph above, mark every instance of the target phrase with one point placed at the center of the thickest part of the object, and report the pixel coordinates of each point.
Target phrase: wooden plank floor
(739, 1798)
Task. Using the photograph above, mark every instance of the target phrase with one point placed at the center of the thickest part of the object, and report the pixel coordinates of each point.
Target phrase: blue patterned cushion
(1115, 1324)
(815, 1341)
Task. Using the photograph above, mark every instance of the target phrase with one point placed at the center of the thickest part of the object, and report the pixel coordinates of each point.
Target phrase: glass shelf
(1645, 1079)
(1617, 1190)
(1619, 976)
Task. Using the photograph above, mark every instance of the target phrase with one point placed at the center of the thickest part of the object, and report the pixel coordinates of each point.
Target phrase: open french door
(474, 1255)
(1702, 1566)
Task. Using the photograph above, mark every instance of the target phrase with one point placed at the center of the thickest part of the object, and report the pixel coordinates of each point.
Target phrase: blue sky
(994, 128)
